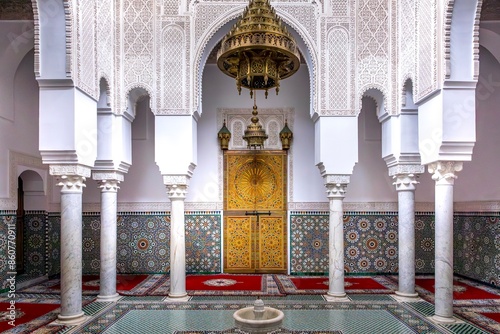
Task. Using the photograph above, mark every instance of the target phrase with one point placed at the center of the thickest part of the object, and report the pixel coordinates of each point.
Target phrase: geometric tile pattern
(143, 244)
(300, 317)
(34, 229)
(370, 243)
(53, 244)
(203, 242)
(477, 248)
(6, 220)
(91, 246)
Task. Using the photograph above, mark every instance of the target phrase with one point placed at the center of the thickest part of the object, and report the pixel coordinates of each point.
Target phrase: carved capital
(109, 185)
(405, 181)
(71, 183)
(177, 191)
(336, 190)
(108, 181)
(443, 172)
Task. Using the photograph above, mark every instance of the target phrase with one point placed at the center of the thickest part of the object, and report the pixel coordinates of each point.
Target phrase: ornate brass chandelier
(258, 51)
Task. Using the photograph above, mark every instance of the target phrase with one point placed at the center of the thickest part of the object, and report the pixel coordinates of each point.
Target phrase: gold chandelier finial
(258, 51)
(255, 136)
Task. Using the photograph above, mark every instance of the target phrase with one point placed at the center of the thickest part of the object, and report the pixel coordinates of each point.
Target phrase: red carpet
(224, 282)
(352, 283)
(123, 282)
(24, 313)
(461, 290)
(493, 316)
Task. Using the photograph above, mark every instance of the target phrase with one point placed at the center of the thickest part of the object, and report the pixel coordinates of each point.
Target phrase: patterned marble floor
(363, 313)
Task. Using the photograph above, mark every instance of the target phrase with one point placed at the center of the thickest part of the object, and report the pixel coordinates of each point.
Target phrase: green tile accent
(378, 298)
(464, 329)
(95, 307)
(424, 308)
(142, 299)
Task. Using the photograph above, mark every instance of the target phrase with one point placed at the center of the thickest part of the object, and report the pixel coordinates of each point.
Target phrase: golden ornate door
(255, 211)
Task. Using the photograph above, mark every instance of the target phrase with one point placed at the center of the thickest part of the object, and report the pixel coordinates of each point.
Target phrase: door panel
(255, 211)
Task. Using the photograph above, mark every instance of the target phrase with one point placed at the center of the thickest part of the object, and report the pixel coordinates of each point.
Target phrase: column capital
(336, 190)
(71, 183)
(108, 180)
(444, 172)
(177, 191)
(405, 182)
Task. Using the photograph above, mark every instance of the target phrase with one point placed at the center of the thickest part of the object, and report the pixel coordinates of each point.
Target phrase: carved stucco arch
(379, 94)
(44, 7)
(217, 31)
(454, 15)
(407, 77)
(109, 98)
(129, 89)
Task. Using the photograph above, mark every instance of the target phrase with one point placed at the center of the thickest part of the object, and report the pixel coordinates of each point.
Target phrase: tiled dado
(477, 247)
(370, 243)
(143, 242)
(7, 221)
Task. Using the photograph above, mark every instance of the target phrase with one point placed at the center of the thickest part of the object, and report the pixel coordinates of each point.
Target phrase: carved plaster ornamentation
(448, 17)
(176, 179)
(444, 172)
(336, 179)
(405, 181)
(406, 169)
(373, 22)
(85, 41)
(138, 36)
(69, 26)
(427, 45)
(105, 47)
(64, 170)
(211, 16)
(70, 183)
(174, 60)
(107, 175)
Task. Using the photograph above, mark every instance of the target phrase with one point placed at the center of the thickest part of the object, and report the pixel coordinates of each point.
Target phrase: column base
(406, 297)
(111, 298)
(175, 299)
(76, 319)
(442, 320)
(406, 294)
(337, 297)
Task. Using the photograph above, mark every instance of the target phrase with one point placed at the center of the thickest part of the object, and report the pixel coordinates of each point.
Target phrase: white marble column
(443, 172)
(336, 193)
(107, 278)
(177, 194)
(71, 248)
(405, 186)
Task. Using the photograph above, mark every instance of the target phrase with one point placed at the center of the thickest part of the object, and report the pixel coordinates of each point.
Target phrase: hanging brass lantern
(224, 137)
(286, 136)
(255, 136)
(258, 51)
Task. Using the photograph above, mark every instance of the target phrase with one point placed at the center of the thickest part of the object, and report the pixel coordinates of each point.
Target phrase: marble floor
(363, 313)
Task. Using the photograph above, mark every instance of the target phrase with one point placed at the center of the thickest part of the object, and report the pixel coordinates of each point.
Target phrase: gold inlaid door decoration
(255, 211)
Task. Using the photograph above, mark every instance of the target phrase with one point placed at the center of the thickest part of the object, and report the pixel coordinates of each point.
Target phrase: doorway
(255, 202)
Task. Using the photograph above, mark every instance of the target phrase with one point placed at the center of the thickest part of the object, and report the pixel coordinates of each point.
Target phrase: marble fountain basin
(258, 318)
